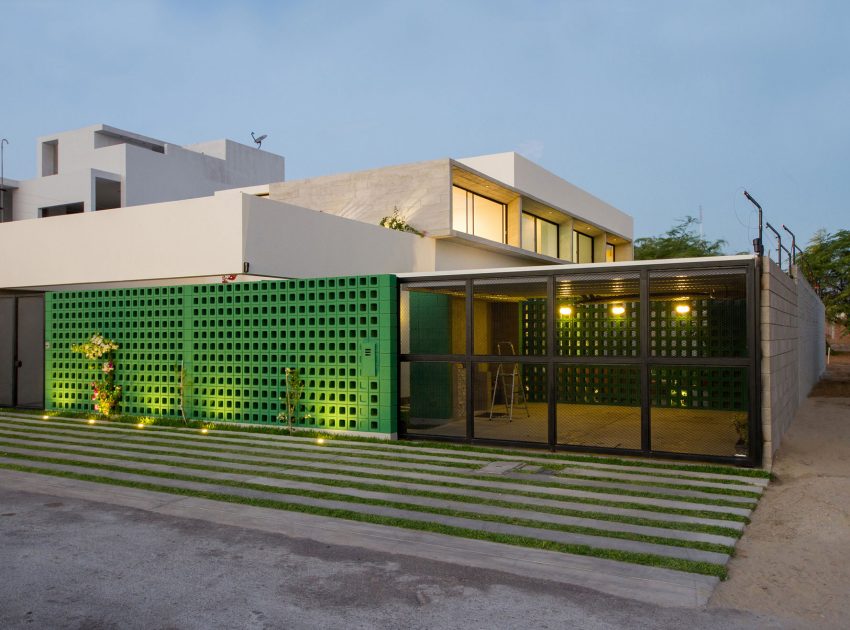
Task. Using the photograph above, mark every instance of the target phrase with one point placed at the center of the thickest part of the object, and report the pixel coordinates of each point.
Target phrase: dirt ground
(794, 560)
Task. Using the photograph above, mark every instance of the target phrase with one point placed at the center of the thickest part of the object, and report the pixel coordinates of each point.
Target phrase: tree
(826, 261)
(680, 241)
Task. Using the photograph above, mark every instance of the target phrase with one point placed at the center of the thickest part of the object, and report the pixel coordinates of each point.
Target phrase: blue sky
(656, 107)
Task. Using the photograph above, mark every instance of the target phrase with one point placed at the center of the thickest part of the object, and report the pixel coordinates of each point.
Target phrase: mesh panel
(598, 315)
(698, 313)
(599, 406)
(433, 398)
(433, 318)
(510, 316)
(699, 410)
(506, 408)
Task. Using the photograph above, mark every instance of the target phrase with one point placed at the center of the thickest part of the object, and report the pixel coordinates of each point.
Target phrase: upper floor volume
(102, 167)
(502, 202)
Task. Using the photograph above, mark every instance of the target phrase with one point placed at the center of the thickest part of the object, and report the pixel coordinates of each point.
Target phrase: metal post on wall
(3, 142)
(779, 240)
(793, 248)
(758, 243)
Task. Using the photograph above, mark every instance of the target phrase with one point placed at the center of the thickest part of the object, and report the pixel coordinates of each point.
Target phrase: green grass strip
(193, 440)
(389, 488)
(647, 559)
(427, 509)
(521, 482)
(655, 509)
(660, 484)
(268, 446)
(256, 451)
(489, 478)
(661, 475)
(449, 446)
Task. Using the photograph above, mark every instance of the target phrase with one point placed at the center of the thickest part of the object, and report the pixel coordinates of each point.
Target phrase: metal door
(30, 347)
(7, 351)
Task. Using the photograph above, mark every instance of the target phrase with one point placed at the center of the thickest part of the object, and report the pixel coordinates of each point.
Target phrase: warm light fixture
(45, 417)
(618, 309)
(320, 441)
(205, 430)
(566, 311)
(91, 421)
(683, 309)
(141, 425)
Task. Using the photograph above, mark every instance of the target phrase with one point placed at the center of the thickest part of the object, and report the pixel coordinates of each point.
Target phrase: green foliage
(827, 262)
(184, 385)
(397, 222)
(680, 241)
(294, 390)
(105, 393)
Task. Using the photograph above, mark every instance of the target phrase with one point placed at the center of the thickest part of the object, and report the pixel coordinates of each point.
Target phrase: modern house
(513, 313)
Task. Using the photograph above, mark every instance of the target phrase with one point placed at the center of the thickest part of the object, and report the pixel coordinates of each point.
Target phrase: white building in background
(102, 168)
(114, 207)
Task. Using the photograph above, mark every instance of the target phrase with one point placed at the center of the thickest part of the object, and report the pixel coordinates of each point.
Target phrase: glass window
(547, 238)
(459, 196)
(478, 215)
(609, 252)
(528, 231)
(582, 247)
(539, 235)
(488, 219)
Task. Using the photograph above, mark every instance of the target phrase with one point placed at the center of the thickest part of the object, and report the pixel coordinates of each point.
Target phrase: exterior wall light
(618, 309)
(91, 420)
(566, 311)
(683, 309)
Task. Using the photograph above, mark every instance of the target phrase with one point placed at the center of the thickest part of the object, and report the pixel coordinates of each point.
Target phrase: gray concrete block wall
(792, 343)
(812, 325)
(421, 191)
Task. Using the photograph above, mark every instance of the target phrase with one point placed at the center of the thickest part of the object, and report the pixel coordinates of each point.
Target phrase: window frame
(536, 249)
(470, 214)
(576, 234)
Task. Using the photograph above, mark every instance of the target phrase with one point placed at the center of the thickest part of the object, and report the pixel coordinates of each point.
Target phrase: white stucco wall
(421, 191)
(289, 241)
(195, 237)
(534, 180)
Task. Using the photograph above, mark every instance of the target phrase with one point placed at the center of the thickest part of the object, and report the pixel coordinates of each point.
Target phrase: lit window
(474, 214)
(609, 252)
(539, 235)
(582, 247)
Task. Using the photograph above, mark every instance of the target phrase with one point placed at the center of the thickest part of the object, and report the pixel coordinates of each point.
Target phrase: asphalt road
(69, 563)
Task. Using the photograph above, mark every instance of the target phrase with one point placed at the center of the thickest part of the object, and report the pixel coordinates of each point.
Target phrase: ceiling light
(618, 309)
(566, 311)
(683, 309)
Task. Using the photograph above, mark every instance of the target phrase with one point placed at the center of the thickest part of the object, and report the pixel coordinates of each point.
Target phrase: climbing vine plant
(105, 393)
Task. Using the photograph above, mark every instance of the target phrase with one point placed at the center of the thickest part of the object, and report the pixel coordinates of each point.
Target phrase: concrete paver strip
(672, 492)
(134, 437)
(452, 521)
(629, 476)
(269, 455)
(464, 455)
(672, 502)
(412, 485)
(527, 513)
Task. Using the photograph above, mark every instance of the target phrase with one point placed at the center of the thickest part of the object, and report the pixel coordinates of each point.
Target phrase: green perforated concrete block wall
(235, 341)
